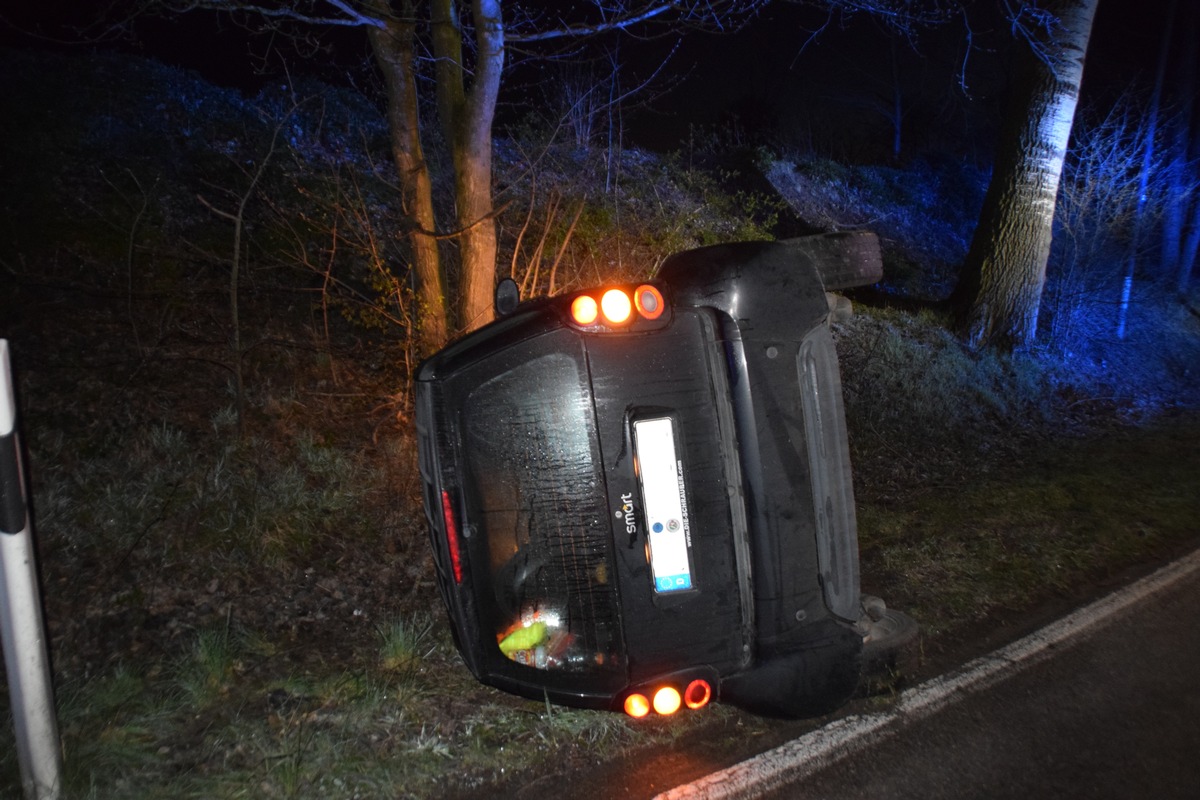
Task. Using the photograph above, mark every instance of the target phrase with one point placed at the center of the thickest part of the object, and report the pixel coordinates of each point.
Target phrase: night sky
(765, 77)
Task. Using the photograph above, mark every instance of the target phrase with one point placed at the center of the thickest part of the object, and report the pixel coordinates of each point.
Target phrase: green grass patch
(160, 493)
(1060, 519)
(404, 644)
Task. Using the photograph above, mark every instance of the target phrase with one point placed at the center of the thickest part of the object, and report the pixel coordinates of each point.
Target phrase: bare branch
(350, 16)
(569, 31)
(812, 37)
(618, 16)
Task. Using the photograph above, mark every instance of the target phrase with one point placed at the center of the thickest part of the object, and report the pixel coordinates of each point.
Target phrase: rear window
(538, 515)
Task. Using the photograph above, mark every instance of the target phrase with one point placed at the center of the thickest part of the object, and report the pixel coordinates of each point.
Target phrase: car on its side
(639, 496)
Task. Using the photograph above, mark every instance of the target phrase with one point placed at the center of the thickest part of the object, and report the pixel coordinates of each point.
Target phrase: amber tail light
(584, 309)
(637, 706)
(666, 700)
(614, 308)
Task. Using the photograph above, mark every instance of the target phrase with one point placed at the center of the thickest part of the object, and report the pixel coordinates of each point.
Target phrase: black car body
(660, 501)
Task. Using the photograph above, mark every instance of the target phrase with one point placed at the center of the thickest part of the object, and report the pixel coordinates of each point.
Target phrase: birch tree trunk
(1000, 289)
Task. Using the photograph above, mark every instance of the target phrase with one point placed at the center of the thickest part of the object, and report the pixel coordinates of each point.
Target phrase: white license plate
(660, 475)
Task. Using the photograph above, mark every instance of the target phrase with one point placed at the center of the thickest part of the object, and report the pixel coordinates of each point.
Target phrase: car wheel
(891, 645)
(845, 259)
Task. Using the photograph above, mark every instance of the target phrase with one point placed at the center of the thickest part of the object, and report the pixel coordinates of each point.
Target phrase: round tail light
(637, 706)
(697, 694)
(666, 700)
(584, 309)
(649, 301)
(616, 306)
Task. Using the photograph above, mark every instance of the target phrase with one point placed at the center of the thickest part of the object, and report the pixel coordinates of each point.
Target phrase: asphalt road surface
(1110, 709)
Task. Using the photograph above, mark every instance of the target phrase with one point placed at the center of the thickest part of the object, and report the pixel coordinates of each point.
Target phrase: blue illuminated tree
(1181, 218)
(1000, 288)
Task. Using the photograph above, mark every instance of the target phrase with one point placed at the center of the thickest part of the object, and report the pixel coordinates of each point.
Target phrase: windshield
(538, 500)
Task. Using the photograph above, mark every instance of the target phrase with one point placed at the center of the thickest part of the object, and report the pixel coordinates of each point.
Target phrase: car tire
(845, 259)
(891, 647)
(816, 680)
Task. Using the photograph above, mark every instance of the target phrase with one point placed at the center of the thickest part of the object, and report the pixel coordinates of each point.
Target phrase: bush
(581, 216)
(909, 383)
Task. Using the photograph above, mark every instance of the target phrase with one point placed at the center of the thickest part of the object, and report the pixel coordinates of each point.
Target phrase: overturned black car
(639, 497)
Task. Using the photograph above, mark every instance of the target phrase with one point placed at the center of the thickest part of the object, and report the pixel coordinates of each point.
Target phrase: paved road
(1110, 713)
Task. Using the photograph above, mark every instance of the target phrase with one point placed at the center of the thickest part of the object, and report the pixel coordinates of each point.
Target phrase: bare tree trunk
(1148, 154)
(466, 113)
(1175, 248)
(393, 50)
(897, 111)
(1191, 246)
(466, 116)
(1000, 289)
(238, 219)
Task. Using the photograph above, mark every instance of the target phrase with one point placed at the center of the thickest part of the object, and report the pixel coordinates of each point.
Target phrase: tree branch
(353, 17)
(682, 11)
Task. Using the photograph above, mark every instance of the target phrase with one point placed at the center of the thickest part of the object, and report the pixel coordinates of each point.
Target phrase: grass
(179, 494)
(908, 380)
(991, 484)
(205, 728)
(1062, 519)
(403, 644)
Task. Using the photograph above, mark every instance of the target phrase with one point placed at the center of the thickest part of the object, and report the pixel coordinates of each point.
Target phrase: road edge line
(843, 737)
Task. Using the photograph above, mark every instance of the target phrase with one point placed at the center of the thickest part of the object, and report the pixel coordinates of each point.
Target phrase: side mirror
(507, 297)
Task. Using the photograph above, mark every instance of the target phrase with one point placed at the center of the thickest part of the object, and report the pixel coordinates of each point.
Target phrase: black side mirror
(507, 298)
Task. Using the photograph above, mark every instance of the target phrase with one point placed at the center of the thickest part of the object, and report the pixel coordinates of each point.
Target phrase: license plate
(660, 475)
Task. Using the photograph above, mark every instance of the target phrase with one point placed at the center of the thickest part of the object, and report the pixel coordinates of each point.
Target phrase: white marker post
(21, 627)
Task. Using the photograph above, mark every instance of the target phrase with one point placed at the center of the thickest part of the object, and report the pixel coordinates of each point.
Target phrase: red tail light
(649, 301)
(452, 536)
(697, 694)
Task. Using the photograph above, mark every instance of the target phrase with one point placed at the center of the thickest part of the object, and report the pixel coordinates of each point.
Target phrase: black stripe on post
(12, 499)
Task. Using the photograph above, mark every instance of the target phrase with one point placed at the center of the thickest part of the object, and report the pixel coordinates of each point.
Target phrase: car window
(538, 500)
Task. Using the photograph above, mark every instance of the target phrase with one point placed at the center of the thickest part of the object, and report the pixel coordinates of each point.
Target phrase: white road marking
(843, 737)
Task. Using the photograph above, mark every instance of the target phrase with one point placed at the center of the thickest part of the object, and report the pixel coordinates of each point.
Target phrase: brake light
(649, 301)
(616, 306)
(584, 309)
(697, 694)
(601, 310)
(451, 536)
(666, 700)
(637, 706)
